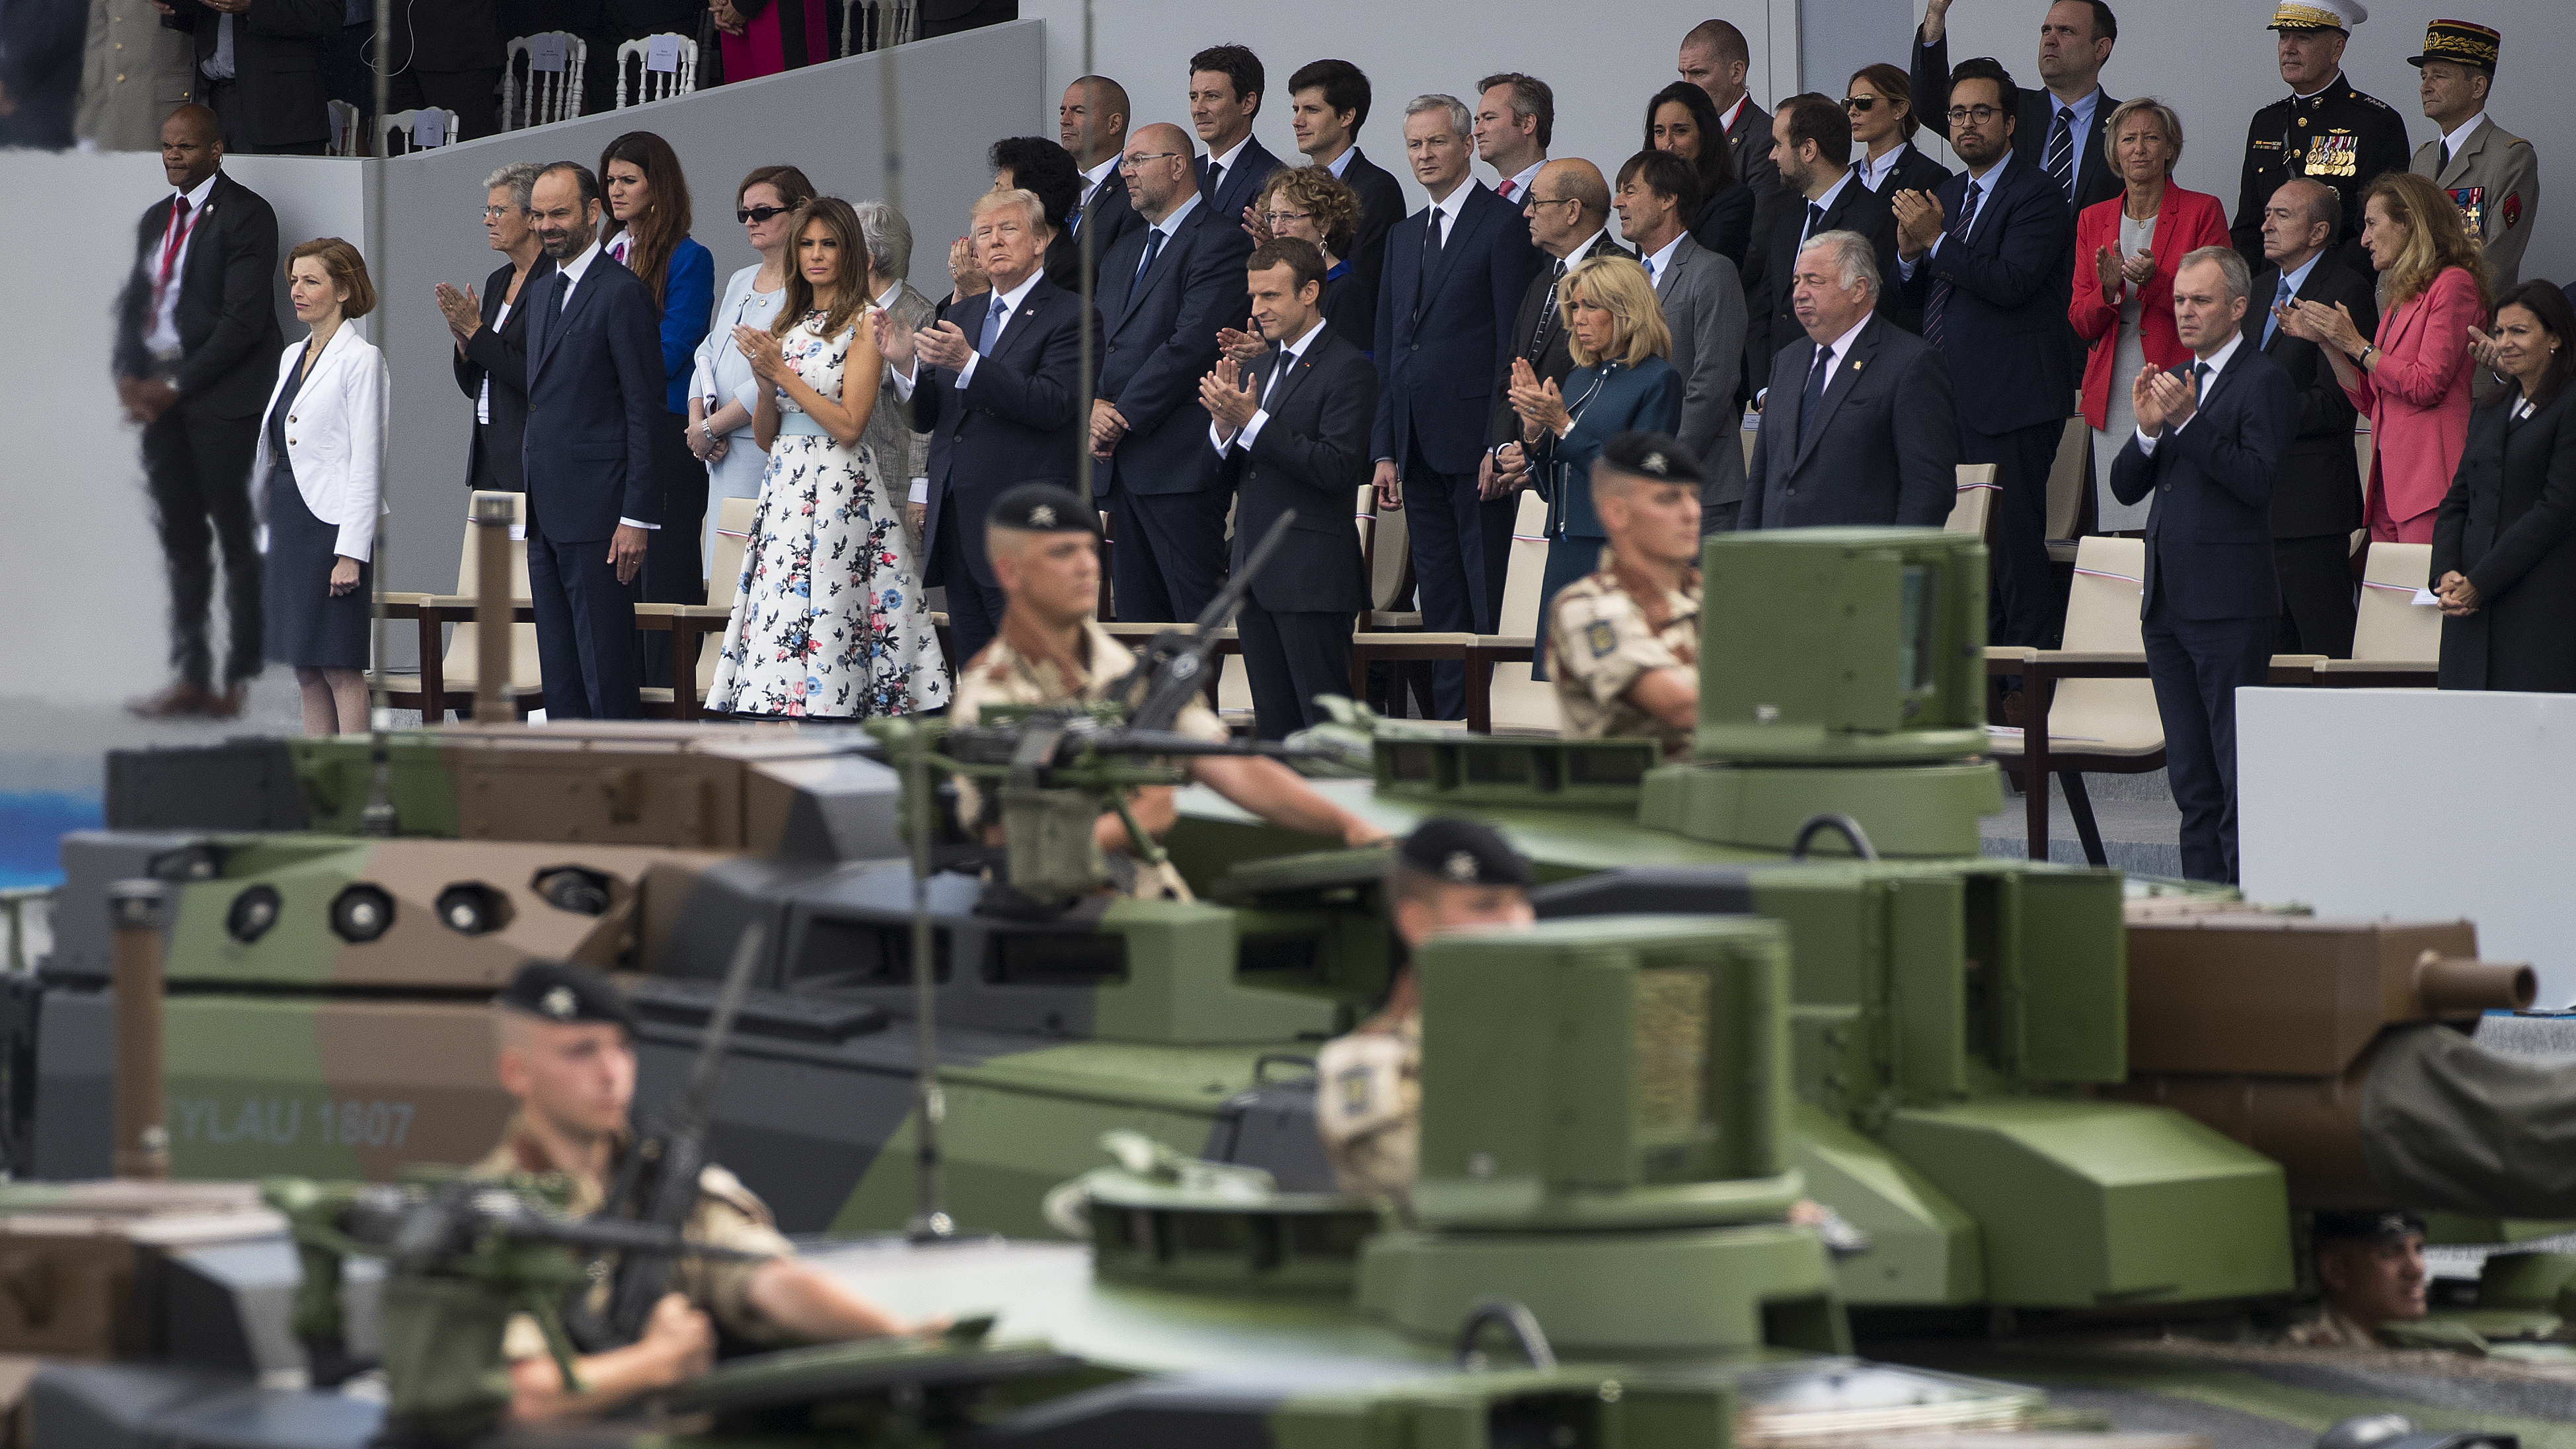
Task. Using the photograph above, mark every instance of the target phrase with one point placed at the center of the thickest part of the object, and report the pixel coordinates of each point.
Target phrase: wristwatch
(2362, 358)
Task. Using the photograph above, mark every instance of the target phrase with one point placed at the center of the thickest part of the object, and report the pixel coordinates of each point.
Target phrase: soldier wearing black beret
(565, 1044)
(1622, 643)
(1448, 875)
(2370, 1265)
(2325, 130)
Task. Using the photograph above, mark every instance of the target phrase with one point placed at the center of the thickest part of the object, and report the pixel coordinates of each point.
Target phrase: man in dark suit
(40, 71)
(491, 359)
(259, 63)
(1569, 219)
(1292, 433)
(2208, 443)
(1454, 271)
(1986, 259)
(448, 54)
(2316, 499)
(196, 355)
(2057, 128)
(1859, 427)
(1002, 404)
(1226, 83)
(1166, 289)
(1091, 121)
(1703, 306)
(595, 397)
(1328, 102)
(1715, 58)
(1811, 144)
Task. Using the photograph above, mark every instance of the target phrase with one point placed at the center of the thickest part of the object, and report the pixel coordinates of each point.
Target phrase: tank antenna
(378, 819)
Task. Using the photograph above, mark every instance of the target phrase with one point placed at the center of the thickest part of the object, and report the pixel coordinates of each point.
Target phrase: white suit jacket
(334, 437)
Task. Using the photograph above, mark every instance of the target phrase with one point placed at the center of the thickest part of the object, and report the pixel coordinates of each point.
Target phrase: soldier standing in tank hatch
(566, 1053)
(2371, 1266)
(1449, 875)
(2325, 131)
(1045, 547)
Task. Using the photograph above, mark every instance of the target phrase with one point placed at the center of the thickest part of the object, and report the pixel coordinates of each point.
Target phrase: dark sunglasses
(760, 213)
(1859, 103)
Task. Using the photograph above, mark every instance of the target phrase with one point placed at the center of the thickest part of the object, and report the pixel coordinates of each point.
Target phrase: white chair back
(2102, 617)
(1389, 561)
(459, 668)
(1974, 510)
(639, 81)
(542, 81)
(346, 134)
(875, 24)
(2389, 624)
(2066, 479)
(401, 132)
(724, 572)
(1523, 705)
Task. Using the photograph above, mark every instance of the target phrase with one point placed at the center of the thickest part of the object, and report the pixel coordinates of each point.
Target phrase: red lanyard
(177, 240)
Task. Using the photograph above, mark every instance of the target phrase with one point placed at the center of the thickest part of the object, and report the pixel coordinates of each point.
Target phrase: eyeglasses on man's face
(1979, 114)
(1137, 163)
(1535, 202)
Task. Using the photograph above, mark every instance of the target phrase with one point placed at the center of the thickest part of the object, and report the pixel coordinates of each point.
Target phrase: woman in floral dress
(828, 618)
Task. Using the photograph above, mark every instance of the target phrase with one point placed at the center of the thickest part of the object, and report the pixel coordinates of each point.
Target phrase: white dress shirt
(1225, 163)
(2217, 362)
(1520, 184)
(163, 336)
(2454, 142)
(1874, 174)
(483, 399)
(1095, 178)
(1252, 430)
(1657, 261)
(1444, 213)
(1826, 201)
(1842, 348)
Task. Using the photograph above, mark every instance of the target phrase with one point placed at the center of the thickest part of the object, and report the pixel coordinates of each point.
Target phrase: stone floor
(2140, 828)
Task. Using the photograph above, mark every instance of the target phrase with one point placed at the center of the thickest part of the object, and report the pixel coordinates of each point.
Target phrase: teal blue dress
(1605, 400)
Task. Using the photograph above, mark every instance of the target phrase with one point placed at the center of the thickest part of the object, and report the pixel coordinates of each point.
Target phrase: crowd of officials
(1272, 337)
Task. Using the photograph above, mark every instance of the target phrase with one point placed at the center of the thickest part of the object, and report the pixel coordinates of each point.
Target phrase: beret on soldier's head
(1043, 508)
(1659, 456)
(2372, 1226)
(1465, 852)
(567, 994)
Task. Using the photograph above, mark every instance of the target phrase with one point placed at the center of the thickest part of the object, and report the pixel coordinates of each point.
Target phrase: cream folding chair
(1973, 512)
(697, 621)
(399, 133)
(637, 80)
(542, 81)
(447, 678)
(2396, 642)
(2095, 709)
(1519, 704)
(2066, 489)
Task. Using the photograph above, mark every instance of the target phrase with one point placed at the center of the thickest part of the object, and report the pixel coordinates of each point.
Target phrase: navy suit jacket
(1381, 207)
(595, 398)
(1018, 420)
(1252, 166)
(1159, 339)
(1884, 449)
(501, 354)
(1109, 215)
(1443, 347)
(2209, 535)
(2005, 320)
(1312, 456)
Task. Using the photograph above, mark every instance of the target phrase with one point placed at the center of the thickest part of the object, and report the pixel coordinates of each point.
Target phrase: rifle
(1168, 667)
(658, 1184)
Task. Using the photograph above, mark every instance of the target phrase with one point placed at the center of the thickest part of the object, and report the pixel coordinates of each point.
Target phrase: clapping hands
(1540, 405)
(1230, 405)
(762, 351)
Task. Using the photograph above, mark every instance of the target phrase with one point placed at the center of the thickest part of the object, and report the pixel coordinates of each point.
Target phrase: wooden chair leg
(433, 660)
(2079, 804)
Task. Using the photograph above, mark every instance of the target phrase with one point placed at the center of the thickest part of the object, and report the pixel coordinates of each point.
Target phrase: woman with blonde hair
(722, 391)
(1621, 383)
(2413, 379)
(321, 458)
(828, 617)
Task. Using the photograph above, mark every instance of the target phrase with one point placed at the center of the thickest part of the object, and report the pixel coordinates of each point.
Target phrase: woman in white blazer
(320, 459)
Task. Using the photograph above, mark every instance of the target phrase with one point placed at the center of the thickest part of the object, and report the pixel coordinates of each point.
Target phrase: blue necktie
(2272, 323)
(992, 326)
(1812, 401)
(1153, 245)
(1936, 308)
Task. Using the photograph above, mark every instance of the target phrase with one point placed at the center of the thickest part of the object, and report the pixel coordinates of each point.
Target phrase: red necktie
(1507, 191)
(177, 238)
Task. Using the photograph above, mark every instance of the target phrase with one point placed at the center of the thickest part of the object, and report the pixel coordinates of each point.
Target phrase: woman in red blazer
(2127, 250)
(2413, 380)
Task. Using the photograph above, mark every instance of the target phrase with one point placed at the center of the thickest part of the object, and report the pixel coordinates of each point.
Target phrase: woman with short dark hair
(2504, 543)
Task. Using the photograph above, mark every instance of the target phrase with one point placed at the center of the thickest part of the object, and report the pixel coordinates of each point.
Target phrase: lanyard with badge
(174, 242)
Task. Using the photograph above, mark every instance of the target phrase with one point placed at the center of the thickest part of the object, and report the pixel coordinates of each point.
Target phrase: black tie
(1815, 223)
(2061, 152)
(2199, 381)
(1215, 178)
(1812, 401)
(1280, 359)
(562, 289)
(2446, 159)
(1430, 256)
(1153, 244)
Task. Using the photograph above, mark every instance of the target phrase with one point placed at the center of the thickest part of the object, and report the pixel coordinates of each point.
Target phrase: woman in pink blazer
(2127, 250)
(2413, 380)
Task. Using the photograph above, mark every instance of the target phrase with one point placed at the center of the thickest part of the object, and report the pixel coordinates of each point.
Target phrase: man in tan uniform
(2492, 175)
(1623, 643)
(1449, 875)
(2371, 1265)
(1045, 548)
(567, 1055)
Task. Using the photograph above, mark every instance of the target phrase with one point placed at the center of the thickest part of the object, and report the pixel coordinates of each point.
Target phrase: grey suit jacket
(1885, 447)
(902, 454)
(1704, 306)
(2495, 178)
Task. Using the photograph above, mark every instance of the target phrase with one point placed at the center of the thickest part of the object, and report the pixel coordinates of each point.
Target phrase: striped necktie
(2061, 153)
(1936, 309)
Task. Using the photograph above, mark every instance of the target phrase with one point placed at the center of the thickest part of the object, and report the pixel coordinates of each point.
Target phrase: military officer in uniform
(2325, 130)
(1449, 875)
(566, 1053)
(2371, 1266)
(1045, 548)
(2492, 175)
(1623, 641)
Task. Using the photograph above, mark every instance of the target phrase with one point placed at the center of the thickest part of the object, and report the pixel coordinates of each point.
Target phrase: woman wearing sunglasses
(1880, 101)
(722, 389)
